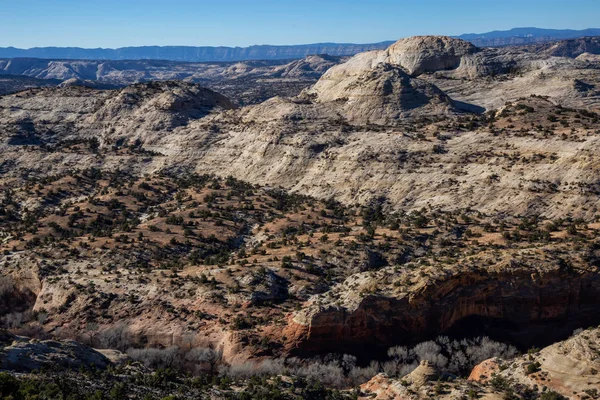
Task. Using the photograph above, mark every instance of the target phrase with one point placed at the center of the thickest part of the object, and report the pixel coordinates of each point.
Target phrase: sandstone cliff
(517, 300)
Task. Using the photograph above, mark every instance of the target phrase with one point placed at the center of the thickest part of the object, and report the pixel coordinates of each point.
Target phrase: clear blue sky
(116, 23)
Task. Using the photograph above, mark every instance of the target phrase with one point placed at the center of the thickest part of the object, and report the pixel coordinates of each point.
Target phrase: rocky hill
(573, 48)
(25, 355)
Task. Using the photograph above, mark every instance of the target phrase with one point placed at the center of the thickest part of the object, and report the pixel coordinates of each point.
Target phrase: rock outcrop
(309, 67)
(510, 300)
(380, 86)
(423, 374)
(380, 95)
(422, 54)
(569, 368)
(566, 370)
(86, 83)
(25, 355)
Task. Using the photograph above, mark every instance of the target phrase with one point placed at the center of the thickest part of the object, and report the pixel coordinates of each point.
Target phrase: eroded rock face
(509, 301)
(421, 54)
(483, 371)
(19, 288)
(424, 373)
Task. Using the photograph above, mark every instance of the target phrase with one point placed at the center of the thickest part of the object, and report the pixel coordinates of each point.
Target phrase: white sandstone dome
(421, 54)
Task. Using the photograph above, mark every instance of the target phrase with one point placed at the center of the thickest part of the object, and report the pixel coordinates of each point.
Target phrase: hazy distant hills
(518, 36)
(194, 54)
(267, 52)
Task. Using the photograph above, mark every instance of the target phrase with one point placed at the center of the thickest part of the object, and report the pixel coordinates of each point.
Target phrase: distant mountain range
(194, 54)
(518, 36)
(268, 52)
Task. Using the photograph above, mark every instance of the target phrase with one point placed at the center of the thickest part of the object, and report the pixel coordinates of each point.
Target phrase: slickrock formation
(569, 367)
(25, 355)
(573, 48)
(157, 106)
(424, 373)
(245, 82)
(421, 54)
(379, 86)
(135, 71)
(321, 143)
(379, 95)
(311, 66)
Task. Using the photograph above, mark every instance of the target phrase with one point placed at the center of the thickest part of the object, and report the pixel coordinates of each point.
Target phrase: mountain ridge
(525, 35)
(194, 54)
(531, 32)
(514, 36)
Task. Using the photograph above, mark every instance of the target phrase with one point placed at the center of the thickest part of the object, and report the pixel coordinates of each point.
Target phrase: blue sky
(116, 23)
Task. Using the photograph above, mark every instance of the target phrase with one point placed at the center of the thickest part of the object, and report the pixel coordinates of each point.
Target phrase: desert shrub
(551, 395)
(195, 360)
(209, 356)
(500, 383)
(432, 352)
(31, 388)
(360, 375)
(533, 368)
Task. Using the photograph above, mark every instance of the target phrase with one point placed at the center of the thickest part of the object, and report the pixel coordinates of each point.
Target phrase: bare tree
(207, 355)
(116, 337)
(92, 329)
(188, 341)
